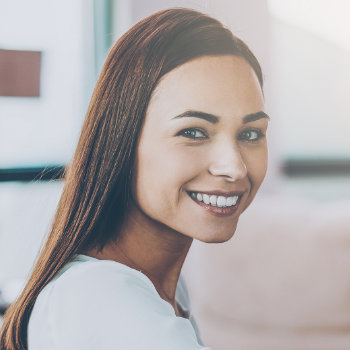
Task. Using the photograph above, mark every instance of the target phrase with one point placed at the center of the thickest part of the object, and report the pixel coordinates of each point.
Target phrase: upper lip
(220, 192)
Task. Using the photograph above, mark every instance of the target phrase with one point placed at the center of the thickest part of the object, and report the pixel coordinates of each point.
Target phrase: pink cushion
(282, 282)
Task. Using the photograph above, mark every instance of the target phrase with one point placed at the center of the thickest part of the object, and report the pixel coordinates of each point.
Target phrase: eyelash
(193, 130)
(190, 133)
(259, 135)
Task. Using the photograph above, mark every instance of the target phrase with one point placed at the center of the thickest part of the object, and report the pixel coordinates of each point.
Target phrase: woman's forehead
(213, 84)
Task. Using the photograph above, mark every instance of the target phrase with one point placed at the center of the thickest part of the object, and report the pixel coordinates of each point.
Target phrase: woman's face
(202, 152)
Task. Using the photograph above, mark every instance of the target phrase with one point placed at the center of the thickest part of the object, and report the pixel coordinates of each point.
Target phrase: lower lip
(217, 211)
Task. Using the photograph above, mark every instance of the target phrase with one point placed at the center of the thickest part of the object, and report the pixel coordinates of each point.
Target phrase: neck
(152, 248)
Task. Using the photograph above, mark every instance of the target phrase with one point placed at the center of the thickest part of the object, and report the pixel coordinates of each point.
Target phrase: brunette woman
(172, 149)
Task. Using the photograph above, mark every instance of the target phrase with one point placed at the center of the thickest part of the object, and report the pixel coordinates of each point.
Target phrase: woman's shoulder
(89, 293)
(104, 304)
(95, 285)
(101, 304)
(95, 275)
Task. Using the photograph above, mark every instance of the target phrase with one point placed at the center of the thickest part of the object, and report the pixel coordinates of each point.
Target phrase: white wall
(44, 130)
(311, 79)
(26, 211)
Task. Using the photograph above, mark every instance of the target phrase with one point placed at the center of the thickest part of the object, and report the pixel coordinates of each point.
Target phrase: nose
(228, 163)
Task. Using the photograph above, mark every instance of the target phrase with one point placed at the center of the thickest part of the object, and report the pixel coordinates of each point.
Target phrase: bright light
(326, 18)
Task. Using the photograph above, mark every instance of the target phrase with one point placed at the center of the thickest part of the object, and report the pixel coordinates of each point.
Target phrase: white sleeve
(98, 306)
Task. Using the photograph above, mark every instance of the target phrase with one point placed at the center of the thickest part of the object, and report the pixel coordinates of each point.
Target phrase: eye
(251, 135)
(193, 133)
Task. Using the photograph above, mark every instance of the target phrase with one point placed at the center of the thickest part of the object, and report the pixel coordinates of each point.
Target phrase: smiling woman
(173, 148)
(209, 142)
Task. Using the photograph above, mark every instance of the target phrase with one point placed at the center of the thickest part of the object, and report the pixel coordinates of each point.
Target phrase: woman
(172, 149)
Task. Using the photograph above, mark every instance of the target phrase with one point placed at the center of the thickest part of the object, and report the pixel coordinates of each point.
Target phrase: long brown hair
(98, 181)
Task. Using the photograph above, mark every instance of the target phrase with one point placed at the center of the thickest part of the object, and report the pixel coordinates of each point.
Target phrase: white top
(102, 304)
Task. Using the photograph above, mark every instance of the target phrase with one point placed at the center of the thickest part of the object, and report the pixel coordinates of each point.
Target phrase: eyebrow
(196, 114)
(215, 119)
(255, 116)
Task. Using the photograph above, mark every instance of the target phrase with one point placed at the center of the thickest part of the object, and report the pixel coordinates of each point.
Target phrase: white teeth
(213, 200)
(216, 201)
(221, 202)
(206, 199)
(231, 201)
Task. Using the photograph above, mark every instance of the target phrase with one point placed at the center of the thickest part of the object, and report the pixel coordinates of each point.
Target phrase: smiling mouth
(218, 205)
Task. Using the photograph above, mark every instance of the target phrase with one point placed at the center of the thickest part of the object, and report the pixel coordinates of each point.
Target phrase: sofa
(281, 283)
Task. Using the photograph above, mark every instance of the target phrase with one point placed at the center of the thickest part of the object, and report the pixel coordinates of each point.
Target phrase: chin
(216, 237)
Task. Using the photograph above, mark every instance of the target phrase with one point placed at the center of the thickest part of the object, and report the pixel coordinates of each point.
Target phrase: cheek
(256, 163)
(160, 176)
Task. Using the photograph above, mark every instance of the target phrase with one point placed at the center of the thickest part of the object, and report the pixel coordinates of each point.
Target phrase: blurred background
(283, 281)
